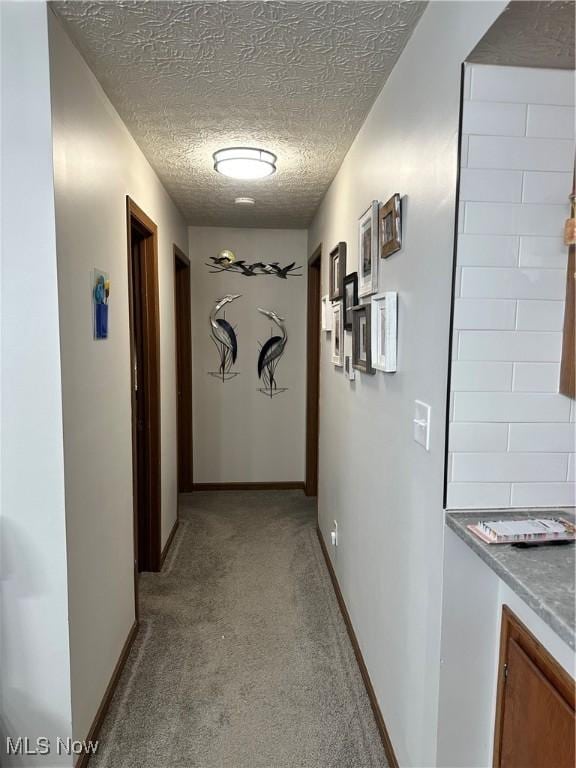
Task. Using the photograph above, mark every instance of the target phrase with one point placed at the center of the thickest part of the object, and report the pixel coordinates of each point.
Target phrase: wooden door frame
(185, 483)
(313, 321)
(136, 217)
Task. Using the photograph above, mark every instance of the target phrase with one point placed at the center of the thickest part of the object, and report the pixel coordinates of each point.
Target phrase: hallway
(242, 658)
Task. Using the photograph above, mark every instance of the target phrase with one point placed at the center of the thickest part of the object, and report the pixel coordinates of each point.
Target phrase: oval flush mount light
(244, 201)
(244, 162)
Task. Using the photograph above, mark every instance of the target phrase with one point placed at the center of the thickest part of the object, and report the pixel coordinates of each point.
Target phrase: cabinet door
(535, 724)
(538, 727)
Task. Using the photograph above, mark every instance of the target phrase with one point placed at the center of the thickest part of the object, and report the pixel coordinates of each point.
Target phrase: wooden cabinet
(535, 724)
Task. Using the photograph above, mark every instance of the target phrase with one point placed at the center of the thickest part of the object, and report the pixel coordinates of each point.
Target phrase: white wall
(34, 653)
(512, 435)
(473, 596)
(241, 435)
(384, 490)
(96, 164)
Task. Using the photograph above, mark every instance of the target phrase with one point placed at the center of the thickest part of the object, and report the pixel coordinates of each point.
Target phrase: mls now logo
(23, 745)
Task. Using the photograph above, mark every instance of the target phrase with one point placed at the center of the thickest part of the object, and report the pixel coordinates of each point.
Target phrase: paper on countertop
(532, 527)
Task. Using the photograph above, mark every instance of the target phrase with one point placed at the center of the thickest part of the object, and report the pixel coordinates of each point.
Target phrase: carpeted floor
(242, 659)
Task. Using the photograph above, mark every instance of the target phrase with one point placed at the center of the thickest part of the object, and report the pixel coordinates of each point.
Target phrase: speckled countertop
(542, 576)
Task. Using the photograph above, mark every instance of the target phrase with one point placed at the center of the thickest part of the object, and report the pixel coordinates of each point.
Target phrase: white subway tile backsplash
(484, 313)
(464, 151)
(478, 437)
(492, 118)
(536, 377)
(510, 407)
(543, 438)
(552, 122)
(513, 467)
(488, 250)
(540, 315)
(512, 435)
(514, 219)
(545, 252)
(543, 495)
(550, 187)
(523, 154)
(490, 185)
(462, 495)
(481, 376)
(512, 346)
(522, 84)
(508, 283)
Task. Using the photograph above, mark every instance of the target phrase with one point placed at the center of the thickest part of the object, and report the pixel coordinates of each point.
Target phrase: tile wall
(512, 436)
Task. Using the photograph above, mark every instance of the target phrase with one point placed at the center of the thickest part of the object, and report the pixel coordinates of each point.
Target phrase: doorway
(313, 371)
(145, 377)
(183, 369)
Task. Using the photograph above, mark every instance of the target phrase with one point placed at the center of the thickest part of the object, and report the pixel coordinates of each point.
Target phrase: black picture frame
(337, 264)
(362, 339)
(350, 284)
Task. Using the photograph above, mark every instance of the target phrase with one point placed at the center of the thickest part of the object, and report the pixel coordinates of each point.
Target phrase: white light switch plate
(422, 423)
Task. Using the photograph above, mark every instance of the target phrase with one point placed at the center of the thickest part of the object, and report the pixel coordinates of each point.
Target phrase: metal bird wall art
(224, 337)
(223, 263)
(271, 352)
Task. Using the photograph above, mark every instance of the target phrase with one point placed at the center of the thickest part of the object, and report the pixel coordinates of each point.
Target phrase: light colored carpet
(242, 659)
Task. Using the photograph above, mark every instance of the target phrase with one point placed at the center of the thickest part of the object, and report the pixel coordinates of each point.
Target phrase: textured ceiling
(530, 34)
(297, 78)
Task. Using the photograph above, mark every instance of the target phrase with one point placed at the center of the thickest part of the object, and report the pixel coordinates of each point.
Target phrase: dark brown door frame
(313, 371)
(147, 510)
(183, 369)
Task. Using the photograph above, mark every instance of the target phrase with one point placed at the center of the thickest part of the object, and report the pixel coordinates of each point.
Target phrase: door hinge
(505, 671)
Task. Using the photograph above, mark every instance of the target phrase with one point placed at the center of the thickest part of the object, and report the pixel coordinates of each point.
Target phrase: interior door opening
(313, 371)
(145, 359)
(183, 370)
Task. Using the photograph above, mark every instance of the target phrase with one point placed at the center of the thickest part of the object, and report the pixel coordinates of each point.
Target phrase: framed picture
(349, 368)
(100, 298)
(337, 270)
(349, 298)
(390, 219)
(326, 314)
(384, 331)
(361, 339)
(337, 334)
(368, 251)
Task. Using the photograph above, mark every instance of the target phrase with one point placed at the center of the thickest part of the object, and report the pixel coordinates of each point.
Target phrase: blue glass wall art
(100, 297)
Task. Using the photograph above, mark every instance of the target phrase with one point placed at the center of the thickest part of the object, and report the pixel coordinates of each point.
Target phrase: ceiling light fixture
(244, 162)
(244, 201)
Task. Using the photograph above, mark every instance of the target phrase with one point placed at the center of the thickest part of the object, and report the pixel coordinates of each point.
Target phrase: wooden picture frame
(349, 298)
(368, 251)
(337, 267)
(337, 335)
(390, 226)
(361, 339)
(384, 331)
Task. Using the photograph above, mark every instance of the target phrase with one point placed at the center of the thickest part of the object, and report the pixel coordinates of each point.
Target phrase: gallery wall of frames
(356, 304)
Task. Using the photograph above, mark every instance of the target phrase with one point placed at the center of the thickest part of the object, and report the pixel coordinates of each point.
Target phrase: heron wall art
(224, 337)
(271, 352)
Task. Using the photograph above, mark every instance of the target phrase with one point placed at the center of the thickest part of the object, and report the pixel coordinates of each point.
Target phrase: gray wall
(34, 651)
(384, 489)
(96, 164)
(240, 434)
